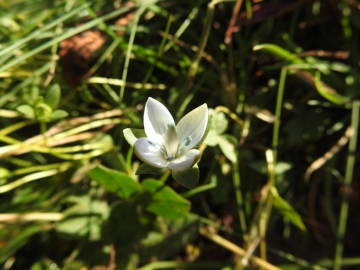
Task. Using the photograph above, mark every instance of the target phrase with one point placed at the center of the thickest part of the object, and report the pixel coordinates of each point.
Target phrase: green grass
(278, 171)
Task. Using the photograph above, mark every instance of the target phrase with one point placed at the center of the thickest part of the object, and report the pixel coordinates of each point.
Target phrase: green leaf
(27, 110)
(133, 134)
(164, 201)
(147, 169)
(187, 178)
(329, 93)
(4, 172)
(212, 139)
(282, 167)
(286, 210)
(84, 218)
(115, 182)
(58, 114)
(261, 167)
(43, 111)
(53, 96)
(220, 123)
(123, 224)
(279, 52)
(15, 237)
(227, 145)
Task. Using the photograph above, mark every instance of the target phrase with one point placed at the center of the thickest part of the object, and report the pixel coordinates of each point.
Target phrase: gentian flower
(168, 145)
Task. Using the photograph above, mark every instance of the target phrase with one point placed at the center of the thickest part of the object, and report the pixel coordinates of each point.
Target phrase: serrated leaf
(132, 135)
(114, 181)
(286, 210)
(53, 96)
(164, 201)
(58, 114)
(27, 110)
(187, 178)
(147, 169)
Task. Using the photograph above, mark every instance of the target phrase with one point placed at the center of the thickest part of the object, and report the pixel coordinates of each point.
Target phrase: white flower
(167, 145)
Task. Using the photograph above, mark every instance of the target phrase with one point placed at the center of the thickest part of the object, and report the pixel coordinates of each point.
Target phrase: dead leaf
(76, 53)
(125, 19)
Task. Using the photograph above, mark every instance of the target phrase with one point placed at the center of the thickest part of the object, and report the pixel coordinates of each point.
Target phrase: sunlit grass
(277, 178)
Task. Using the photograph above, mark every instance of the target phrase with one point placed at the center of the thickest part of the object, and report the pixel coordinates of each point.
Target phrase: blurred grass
(285, 89)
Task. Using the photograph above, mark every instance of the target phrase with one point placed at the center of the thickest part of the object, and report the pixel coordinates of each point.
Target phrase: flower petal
(156, 120)
(191, 128)
(186, 161)
(171, 143)
(149, 153)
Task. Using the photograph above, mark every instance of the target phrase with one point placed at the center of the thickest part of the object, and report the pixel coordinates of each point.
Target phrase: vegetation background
(279, 174)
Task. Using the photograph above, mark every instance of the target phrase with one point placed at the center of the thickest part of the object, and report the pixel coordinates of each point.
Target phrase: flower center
(171, 147)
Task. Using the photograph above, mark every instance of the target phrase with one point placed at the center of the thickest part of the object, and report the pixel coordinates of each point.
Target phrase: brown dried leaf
(125, 19)
(76, 53)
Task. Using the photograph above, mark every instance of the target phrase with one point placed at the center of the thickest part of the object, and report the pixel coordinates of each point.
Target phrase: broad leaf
(27, 110)
(52, 97)
(220, 123)
(58, 114)
(212, 139)
(164, 201)
(123, 224)
(147, 169)
(261, 167)
(84, 218)
(115, 182)
(187, 178)
(227, 145)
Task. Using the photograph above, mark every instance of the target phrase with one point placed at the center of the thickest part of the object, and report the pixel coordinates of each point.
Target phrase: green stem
(35, 176)
(70, 33)
(43, 130)
(129, 49)
(15, 127)
(165, 176)
(239, 199)
(159, 53)
(279, 100)
(350, 164)
(203, 41)
(44, 28)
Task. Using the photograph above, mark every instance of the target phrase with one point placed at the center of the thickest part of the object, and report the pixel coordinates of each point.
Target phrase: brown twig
(112, 264)
(236, 249)
(329, 154)
(229, 31)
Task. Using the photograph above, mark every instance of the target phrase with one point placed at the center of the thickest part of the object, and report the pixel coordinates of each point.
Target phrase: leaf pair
(151, 194)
